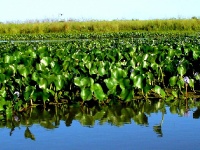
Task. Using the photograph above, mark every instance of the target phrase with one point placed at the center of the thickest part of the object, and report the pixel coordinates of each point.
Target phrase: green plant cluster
(100, 70)
(91, 36)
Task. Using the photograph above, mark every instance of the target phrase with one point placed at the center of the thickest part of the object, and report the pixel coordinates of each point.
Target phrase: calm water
(137, 126)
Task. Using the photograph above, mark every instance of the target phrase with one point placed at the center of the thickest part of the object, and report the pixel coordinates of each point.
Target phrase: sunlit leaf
(98, 91)
(173, 80)
(159, 91)
(181, 70)
(86, 94)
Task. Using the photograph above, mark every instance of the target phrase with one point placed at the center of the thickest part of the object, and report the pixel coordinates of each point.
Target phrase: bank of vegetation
(186, 25)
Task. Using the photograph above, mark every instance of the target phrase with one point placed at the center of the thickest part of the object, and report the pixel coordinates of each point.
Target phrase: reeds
(101, 26)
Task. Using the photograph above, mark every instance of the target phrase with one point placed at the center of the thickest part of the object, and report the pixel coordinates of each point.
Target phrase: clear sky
(24, 10)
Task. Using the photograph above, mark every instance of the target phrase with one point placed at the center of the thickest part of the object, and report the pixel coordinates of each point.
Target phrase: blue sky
(24, 10)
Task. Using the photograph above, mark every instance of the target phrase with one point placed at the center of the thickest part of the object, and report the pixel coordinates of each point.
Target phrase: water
(145, 126)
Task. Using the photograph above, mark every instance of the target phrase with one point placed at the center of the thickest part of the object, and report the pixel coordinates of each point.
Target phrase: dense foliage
(102, 70)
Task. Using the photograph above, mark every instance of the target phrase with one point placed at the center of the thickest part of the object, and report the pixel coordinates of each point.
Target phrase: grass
(187, 25)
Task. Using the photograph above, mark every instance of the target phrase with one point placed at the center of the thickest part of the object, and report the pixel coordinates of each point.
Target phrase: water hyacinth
(16, 93)
(132, 70)
(186, 79)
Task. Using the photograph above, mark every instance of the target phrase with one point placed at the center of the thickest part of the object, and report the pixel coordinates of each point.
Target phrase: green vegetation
(102, 70)
(186, 25)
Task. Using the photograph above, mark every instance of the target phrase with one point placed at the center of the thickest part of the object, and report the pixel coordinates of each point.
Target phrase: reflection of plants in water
(28, 134)
(158, 128)
(114, 114)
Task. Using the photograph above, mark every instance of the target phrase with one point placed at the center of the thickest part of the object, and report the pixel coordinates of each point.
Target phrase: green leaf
(98, 92)
(191, 83)
(29, 90)
(180, 83)
(8, 59)
(111, 84)
(127, 94)
(86, 94)
(82, 81)
(24, 71)
(45, 61)
(3, 92)
(172, 80)
(42, 83)
(124, 83)
(56, 68)
(118, 73)
(181, 70)
(59, 82)
(101, 70)
(138, 81)
(159, 91)
(35, 76)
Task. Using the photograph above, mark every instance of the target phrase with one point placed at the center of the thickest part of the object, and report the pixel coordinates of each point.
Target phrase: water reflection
(136, 112)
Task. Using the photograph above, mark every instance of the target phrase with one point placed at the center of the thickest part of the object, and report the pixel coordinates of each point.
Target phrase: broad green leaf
(59, 82)
(191, 83)
(10, 71)
(29, 90)
(171, 53)
(111, 84)
(56, 68)
(8, 59)
(2, 103)
(42, 83)
(86, 94)
(31, 53)
(3, 92)
(82, 81)
(181, 70)
(180, 83)
(40, 67)
(98, 92)
(145, 57)
(159, 91)
(145, 64)
(24, 71)
(45, 61)
(35, 76)
(138, 81)
(124, 83)
(173, 80)
(196, 54)
(101, 71)
(197, 76)
(93, 69)
(127, 94)
(150, 78)
(118, 73)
